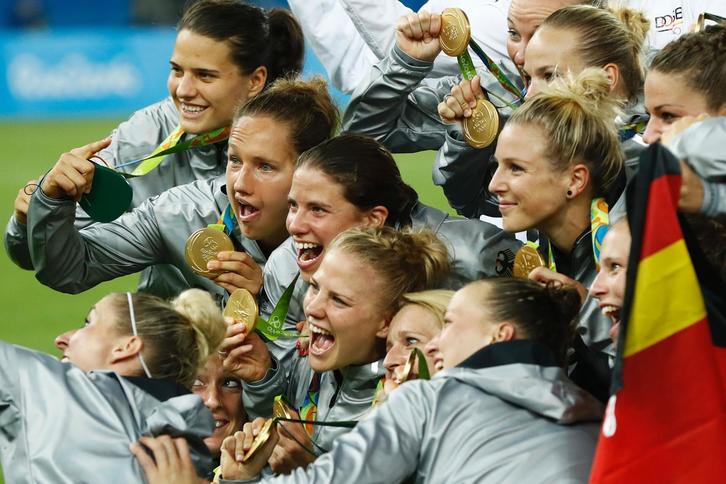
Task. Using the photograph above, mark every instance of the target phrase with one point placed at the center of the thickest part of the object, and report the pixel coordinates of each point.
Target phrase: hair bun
(204, 315)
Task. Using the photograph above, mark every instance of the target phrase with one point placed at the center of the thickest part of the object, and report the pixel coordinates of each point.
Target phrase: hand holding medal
(245, 354)
(246, 453)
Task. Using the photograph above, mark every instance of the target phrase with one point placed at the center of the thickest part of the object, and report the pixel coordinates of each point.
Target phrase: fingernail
(472, 104)
(211, 264)
(239, 457)
(467, 112)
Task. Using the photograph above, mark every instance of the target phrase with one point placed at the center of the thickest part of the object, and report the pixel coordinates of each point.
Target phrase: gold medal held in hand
(260, 440)
(481, 128)
(526, 260)
(280, 409)
(203, 246)
(242, 308)
(455, 32)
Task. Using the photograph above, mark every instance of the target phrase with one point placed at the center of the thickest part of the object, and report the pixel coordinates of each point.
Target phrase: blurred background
(70, 71)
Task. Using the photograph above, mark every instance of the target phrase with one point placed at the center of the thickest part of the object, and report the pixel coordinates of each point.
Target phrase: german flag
(666, 419)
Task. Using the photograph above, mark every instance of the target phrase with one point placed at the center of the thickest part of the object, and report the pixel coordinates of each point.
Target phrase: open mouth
(321, 340)
(612, 312)
(246, 212)
(438, 363)
(220, 423)
(308, 254)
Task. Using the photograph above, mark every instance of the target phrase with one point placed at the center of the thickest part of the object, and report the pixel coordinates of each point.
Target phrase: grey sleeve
(9, 381)
(16, 244)
(71, 260)
(461, 171)
(383, 448)
(393, 106)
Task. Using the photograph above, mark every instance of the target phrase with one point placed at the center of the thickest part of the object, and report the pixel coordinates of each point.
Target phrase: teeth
(610, 311)
(319, 330)
(192, 109)
(306, 245)
(219, 423)
(439, 365)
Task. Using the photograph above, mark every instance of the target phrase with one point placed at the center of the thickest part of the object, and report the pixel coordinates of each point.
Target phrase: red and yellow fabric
(666, 422)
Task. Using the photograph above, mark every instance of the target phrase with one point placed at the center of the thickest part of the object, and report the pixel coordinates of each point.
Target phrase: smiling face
(343, 308)
(259, 174)
(609, 285)
(668, 98)
(550, 54)
(467, 329)
(524, 17)
(531, 191)
(318, 211)
(412, 327)
(205, 84)
(91, 347)
(221, 393)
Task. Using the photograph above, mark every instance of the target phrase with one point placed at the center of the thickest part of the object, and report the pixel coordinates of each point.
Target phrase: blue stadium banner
(65, 73)
(80, 72)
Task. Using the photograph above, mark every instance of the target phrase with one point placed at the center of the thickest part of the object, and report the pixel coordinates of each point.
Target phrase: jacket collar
(510, 352)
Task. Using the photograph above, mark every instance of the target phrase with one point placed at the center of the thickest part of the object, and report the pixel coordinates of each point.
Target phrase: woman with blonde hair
(419, 319)
(353, 296)
(568, 41)
(125, 374)
(558, 158)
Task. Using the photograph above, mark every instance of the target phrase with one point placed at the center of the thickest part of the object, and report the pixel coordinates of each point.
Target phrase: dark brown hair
(545, 314)
(699, 57)
(304, 106)
(256, 38)
(366, 172)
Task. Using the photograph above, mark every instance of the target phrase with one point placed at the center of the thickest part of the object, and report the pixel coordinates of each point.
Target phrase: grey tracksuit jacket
(506, 414)
(59, 424)
(71, 260)
(132, 140)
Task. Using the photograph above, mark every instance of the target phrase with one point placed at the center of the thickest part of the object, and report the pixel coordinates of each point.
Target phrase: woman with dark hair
(353, 181)
(225, 53)
(248, 205)
(501, 410)
(126, 373)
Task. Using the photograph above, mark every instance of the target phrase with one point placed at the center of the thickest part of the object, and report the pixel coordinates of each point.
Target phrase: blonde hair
(434, 301)
(607, 36)
(178, 336)
(407, 260)
(577, 116)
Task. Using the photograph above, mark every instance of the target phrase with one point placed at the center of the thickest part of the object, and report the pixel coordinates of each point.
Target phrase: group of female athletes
(374, 368)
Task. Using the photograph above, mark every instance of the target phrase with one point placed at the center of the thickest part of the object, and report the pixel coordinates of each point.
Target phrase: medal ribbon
(629, 130)
(172, 145)
(272, 328)
(496, 71)
(599, 225)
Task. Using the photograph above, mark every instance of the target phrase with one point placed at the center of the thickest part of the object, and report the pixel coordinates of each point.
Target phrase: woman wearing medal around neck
(124, 374)
(225, 53)
(569, 40)
(352, 181)
(558, 157)
(248, 206)
(352, 297)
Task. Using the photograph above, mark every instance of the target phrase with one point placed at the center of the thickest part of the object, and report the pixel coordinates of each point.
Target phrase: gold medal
(455, 32)
(203, 246)
(260, 440)
(526, 260)
(408, 368)
(280, 409)
(242, 308)
(481, 128)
